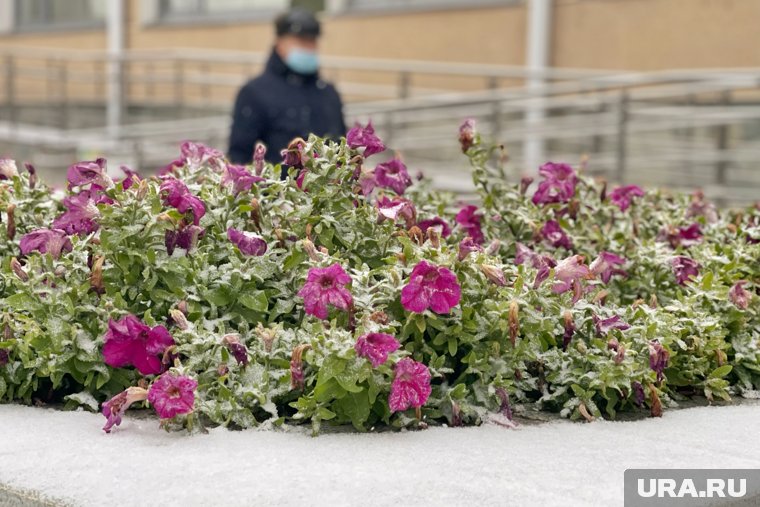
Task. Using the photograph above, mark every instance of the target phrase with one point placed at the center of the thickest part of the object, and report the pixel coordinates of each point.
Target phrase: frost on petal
(364, 137)
(431, 287)
(393, 175)
(172, 395)
(375, 347)
(410, 387)
(130, 342)
(248, 242)
(323, 287)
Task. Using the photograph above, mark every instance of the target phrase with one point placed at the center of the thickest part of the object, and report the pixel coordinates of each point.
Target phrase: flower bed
(221, 295)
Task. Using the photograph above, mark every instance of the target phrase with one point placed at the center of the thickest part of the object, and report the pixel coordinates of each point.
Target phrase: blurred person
(288, 99)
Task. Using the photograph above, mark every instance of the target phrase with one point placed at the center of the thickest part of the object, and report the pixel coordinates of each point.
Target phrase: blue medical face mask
(302, 61)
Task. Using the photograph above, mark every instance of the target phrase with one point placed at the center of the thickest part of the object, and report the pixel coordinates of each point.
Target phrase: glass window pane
(30, 12)
(181, 6)
(246, 5)
(74, 11)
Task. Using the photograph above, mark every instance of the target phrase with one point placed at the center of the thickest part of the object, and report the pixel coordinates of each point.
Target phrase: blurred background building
(659, 92)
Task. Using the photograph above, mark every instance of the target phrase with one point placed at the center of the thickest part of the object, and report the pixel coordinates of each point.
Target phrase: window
(59, 13)
(195, 9)
(414, 4)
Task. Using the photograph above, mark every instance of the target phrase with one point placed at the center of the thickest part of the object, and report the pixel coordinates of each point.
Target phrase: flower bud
(310, 249)
(580, 346)
(467, 135)
(32, 174)
(569, 325)
(11, 228)
(179, 319)
(494, 274)
(434, 237)
(236, 348)
(504, 407)
(222, 370)
(653, 301)
(59, 270)
(585, 413)
(258, 158)
(493, 247)
(740, 296)
(379, 317)
(525, 182)
(620, 356)
(18, 270)
(655, 408)
(601, 296)
(266, 335)
(142, 190)
(297, 377)
(603, 191)
(720, 357)
(182, 306)
(7, 332)
(514, 321)
(256, 213)
(456, 414)
(96, 275)
(573, 207)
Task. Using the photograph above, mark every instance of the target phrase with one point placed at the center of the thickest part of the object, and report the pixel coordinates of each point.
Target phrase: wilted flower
(297, 374)
(177, 195)
(196, 155)
(295, 154)
(466, 247)
(701, 207)
(365, 137)
(130, 177)
(172, 395)
(185, 237)
(4, 357)
(658, 358)
(52, 241)
(467, 134)
(514, 321)
(469, 220)
(494, 274)
(558, 184)
(114, 409)
(18, 270)
(435, 222)
(604, 326)
(259, 154)
(430, 286)
(375, 347)
(367, 181)
(7, 169)
(569, 274)
(543, 263)
(638, 393)
(89, 173)
(569, 326)
(393, 209)
(411, 385)
(393, 174)
(236, 348)
(239, 178)
(683, 236)
(81, 215)
(525, 182)
(740, 296)
(179, 319)
(130, 342)
(684, 268)
(553, 234)
(622, 196)
(266, 335)
(32, 174)
(248, 242)
(604, 266)
(323, 287)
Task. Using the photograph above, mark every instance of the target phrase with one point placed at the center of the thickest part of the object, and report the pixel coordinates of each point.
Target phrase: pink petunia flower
(467, 134)
(114, 409)
(239, 178)
(622, 196)
(172, 395)
(130, 177)
(186, 237)
(433, 287)
(52, 241)
(8, 169)
(196, 155)
(543, 263)
(130, 342)
(681, 236)
(604, 266)
(604, 326)
(364, 137)
(658, 358)
(367, 181)
(89, 173)
(393, 174)
(326, 286)
(259, 156)
(553, 234)
(558, 185)
(738, 295)
(81, 214)
(396, 208)
(177, 195)
(684, 268)
(248, 242)
(375, 347)
(469, 220)
(435, 222)
(295, 155)
(569, 274)
(410, 387)
(466, 247)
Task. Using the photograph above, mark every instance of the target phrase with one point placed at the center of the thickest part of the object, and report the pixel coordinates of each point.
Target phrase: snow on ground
(65, 455)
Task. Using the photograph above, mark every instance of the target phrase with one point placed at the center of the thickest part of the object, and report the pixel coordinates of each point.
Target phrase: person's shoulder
(327, 86)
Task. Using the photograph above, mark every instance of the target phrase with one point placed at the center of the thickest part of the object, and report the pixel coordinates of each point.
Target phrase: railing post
(622, 134)
(721, 144)
(178, 87)
(10, 91)
(404, 85)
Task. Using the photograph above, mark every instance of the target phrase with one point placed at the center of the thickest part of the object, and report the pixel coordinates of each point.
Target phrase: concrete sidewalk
(63, 458)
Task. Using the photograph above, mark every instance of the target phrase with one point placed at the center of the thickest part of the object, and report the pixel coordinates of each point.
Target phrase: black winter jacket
(279, 105)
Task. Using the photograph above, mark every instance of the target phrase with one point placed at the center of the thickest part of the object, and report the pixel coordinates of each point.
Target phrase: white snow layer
(66, 456)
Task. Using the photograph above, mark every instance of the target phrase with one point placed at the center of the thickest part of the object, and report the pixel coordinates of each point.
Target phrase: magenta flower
(375, 347)
(467, 134)
(569, 274)
(684, 268)
(543, 263)
(114, 409)
(81, 215)
(295, 155)
(411, 385)
(176, 194)
(435, 222)
(397, 208)
(130, 342)
(367, 181)
(172, 395)
(248, 242)
(186, 237)
(658, 358)
(236, 348)
(738, 295)
(259, 154)
(52, 241)
(393, 175)
(469, 220)
(326, 286)
(466, 247)
(683, 236)
(239, 178)
(558, 185)
(604, 266)
(4, 357)
(365, 137)
(604, 326)
(196, 155)
(8, 169)
(555, 236)
(701, 207)
(130, 177)
(89, 173)
(431, 286)
(622, 196)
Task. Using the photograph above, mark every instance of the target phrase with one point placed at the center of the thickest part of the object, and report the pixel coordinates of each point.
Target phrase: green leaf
(325, 413)
(355, 406)
(257, 301)
(721, 371)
